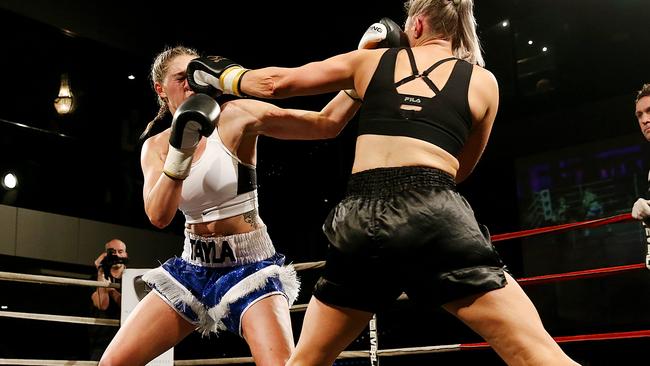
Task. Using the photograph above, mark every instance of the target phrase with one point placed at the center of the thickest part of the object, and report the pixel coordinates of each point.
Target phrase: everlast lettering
(206, 252)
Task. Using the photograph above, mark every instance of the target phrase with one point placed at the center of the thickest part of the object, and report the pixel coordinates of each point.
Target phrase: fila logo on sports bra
(206, 252)
(412, 100)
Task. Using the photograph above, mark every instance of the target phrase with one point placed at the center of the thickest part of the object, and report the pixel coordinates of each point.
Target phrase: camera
(110, 260)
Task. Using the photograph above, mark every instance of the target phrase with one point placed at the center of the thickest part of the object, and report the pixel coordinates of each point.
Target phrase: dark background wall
(572, 101)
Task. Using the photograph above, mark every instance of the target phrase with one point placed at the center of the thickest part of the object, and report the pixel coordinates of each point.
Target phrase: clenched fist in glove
(641, 209)
(194, 118)
(383, 34)
(215, 75)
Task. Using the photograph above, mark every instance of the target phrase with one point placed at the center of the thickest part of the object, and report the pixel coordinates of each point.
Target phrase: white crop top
(219, 185)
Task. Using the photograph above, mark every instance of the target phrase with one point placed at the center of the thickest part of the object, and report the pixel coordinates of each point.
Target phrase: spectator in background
(110, 266)
(592, 206)
(641, 208)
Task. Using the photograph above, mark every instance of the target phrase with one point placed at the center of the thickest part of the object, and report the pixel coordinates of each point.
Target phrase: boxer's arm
(260, 118)
(330, 75)
(484, 99)
(161, 194)
(214, 75)
(333, 74)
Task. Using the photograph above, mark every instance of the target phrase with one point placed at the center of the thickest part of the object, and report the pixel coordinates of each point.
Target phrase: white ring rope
(309, 265)
(215, 361)
(51, 280)
(61, 318)
(298, 307)
(16, 361)
(23, 277)
(344, 355)
(240, 360)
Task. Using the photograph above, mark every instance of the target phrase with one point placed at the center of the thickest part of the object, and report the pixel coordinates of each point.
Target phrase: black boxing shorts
(405, 229)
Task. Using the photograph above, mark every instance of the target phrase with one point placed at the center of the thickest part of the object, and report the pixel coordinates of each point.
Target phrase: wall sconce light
(64, 103)
(9, 181)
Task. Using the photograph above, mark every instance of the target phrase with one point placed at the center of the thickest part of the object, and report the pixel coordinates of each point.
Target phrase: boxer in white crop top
(229, 276)
(214, 189)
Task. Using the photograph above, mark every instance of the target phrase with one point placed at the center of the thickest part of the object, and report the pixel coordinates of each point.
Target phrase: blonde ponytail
(452, 20)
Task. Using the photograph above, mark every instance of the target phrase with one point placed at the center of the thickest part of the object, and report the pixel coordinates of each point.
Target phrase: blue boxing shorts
(405, 229)
(218, 278)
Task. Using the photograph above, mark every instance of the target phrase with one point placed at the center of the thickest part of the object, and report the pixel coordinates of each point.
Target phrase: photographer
(110, 265)
(106, 301)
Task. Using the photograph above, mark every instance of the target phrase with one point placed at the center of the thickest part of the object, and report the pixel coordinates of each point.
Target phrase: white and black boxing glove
(196, 117)
(641, 210)
(383, 34)
(214, 75)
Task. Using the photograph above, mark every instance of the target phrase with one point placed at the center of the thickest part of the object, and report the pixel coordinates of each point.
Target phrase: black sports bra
(443, 120)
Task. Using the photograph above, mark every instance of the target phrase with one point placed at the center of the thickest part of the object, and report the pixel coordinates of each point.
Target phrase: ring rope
(51, 280)
(215, 361)
(564, 227)
(579, 338)
(589, 273)
(298, 307)
(17, 361)
(308, 265)
(61, 318)
(435, 349)
(87, 320)
(361, 354)
(568, 276)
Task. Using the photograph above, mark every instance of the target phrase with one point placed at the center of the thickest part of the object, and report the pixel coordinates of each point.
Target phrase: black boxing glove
(194, 118)
(214, 75)
(384, 34)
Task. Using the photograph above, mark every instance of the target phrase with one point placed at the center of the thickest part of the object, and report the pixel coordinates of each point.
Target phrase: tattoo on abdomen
(251, 218)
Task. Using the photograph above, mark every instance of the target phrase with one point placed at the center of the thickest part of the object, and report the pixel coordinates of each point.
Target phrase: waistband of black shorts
(387, 181)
